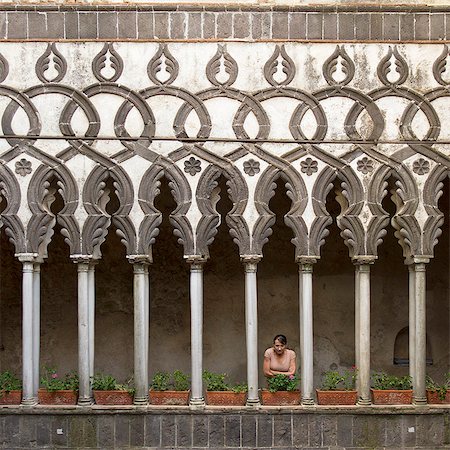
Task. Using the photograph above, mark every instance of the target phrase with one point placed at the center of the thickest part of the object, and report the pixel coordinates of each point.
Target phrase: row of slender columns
(86, 328)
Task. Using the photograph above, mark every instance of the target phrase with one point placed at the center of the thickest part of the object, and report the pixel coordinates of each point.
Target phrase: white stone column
(363, 339)
(85, 391)
(91, 326)
(36, 322)
(357, 327)
(141, 329)
(29, 392)
(251, 328)
(306, 330)
(419, 389)
(196, 300)
(412, 320)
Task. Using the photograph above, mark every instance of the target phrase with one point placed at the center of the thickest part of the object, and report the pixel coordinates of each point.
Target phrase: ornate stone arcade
(83, 119)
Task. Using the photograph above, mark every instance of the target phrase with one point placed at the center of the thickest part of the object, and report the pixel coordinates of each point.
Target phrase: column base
(197, 403)
(253, 403)
(86, 401)
(28, 402)
(419, 401)
(363, 402)
(308, 402)
(140, 401)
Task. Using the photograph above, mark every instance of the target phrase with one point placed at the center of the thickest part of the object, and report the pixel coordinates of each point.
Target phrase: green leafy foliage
(181, 381)
(217, 382)
(281, 382)
(383, 381)
(104, 382)
(160, 381)
(52, 381)
(441, 389)
(334, 381)
(9, 382)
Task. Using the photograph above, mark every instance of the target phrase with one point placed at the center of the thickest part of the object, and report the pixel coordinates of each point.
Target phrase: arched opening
(278, 310)
(401, 349)
(333, 299)
(224, 306)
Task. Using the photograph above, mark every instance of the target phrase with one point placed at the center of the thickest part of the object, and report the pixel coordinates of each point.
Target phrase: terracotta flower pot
(391, 397)
(280, 398)
(433, 397)
(225, 398)
(10, 398)
(169, 397)
(63, 397)
(336, 397)
(113, 398)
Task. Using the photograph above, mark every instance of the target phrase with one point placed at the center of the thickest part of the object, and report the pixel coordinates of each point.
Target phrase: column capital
(139, 259)
(306, 260)
(196, 262)
(361, 260)
(410, 261)
(82, 259)
(251, 259)
(28, 257)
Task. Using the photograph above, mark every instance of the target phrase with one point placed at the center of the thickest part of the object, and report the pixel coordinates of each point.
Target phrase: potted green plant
(10, 389)
(56, 389)
(220, 393)
(283, 390)
(107, 391)
(391, 390)
(337, 388)
(169, 389)
(438, 393)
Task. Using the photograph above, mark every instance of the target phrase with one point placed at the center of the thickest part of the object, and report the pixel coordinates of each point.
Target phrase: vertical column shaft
(141, 328)
(85, 392)
(412, 320)
(364, 334)
(91, 327)
(29, 395)
(357, 326)
(36, 323)
(251, 329)
(419, 390)
(196, 299)
(306, 332)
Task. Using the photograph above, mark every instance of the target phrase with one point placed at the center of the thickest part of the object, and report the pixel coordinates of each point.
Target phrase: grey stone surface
(406, 27)
(194, 30)
(330, 26)
(224, 25)
(145, 25)
(178, 25)
(362, 26)
(55, 25)
(264, 431)
(241, 25)
(168, 431)
(376, 26)
(233, 431)
(161, 21)
(209, 25)
(300, 430)
(280, 26)
(422, 26)
(36, 24)
(437, 26)
(127, 25)
(107, 25)
(216, 431)
(105, 430)
(282, 430)
(248, 431)
(200, 431)
(314, 26)
(297, 25)
(137, 431)
(346, 26)
(153, 430)
(391, 26)
(184, 430)
(17, 25)
(87, 25)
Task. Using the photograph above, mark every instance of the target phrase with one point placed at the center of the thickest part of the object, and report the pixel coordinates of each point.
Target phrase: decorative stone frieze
(105, 122)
